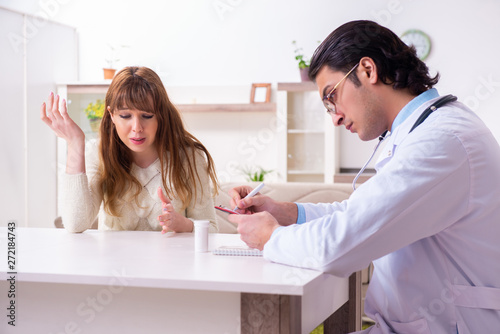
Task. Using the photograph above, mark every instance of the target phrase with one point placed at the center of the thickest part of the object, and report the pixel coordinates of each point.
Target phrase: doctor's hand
(285, 213)
(60, 122)
(256, 229)
(170, 220)
(257, 203)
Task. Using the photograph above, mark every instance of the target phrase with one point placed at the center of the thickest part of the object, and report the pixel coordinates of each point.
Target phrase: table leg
(266, 313)
(347, 318)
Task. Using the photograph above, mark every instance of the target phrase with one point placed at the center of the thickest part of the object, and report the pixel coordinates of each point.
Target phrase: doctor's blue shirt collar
(412, 106)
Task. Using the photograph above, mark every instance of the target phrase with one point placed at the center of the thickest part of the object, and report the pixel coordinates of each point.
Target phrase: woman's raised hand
(65, 128)
(60, 122)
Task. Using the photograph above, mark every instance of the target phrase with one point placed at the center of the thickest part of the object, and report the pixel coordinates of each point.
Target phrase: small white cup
(201, 236)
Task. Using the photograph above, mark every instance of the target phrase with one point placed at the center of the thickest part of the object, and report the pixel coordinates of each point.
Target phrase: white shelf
(221, 107)
(101, 87)
(305, 172)
(307, 140)
(305, 131)
(305, 86)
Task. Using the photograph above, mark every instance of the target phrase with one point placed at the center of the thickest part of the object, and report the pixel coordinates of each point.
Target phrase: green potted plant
(255, 174)
(303, 62)
(95, 112)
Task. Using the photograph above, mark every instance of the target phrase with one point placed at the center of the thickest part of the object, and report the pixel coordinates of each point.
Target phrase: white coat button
(389, 153)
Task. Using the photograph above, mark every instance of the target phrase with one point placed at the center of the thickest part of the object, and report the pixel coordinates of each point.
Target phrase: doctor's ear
(368, 69)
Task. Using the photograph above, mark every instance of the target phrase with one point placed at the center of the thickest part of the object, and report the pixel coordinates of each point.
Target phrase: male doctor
(429, 219)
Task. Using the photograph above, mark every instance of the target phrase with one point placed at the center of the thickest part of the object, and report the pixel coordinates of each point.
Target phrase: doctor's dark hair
(397, 64)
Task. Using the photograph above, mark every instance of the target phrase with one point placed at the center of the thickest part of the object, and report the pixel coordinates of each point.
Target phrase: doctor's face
(357, 108)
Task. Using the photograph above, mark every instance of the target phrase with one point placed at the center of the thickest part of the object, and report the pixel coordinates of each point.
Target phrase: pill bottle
(201, 235)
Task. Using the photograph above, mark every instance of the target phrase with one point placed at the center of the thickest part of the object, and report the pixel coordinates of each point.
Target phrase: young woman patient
(146, 172)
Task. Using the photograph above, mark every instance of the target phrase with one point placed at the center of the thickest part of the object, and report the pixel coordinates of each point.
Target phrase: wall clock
(420, 40)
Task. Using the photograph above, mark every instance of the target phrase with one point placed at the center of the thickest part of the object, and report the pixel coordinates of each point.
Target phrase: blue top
(400, 118)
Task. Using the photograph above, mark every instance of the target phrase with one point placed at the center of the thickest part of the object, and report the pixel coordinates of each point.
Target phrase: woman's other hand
(171, 220)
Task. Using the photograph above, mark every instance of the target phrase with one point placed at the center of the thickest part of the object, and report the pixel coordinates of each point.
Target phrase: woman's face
(137, 130)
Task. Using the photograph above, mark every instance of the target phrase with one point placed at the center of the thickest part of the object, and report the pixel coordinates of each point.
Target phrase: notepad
(237, 251)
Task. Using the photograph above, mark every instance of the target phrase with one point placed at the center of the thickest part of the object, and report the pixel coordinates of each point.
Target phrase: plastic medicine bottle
(201, 236)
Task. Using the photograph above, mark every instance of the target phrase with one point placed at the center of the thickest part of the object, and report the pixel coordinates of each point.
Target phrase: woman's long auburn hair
(140, 88)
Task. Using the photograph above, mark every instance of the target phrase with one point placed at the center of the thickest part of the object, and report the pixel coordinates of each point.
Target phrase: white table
(146, 282)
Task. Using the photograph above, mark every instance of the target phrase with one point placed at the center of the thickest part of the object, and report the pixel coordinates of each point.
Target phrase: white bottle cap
(201, 223)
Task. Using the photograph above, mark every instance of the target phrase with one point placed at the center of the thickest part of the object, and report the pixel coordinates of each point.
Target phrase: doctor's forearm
(285, 213)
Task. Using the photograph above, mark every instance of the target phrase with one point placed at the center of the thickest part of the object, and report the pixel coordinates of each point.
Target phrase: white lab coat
(429, 220)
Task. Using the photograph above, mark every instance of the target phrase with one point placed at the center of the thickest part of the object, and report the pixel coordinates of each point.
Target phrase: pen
(252, 193)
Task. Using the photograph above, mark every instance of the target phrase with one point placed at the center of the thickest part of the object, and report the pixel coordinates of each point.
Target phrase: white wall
(12, 158)
(32, 61)
(237, 42)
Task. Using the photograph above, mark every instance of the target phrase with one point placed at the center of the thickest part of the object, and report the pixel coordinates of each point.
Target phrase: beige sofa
(290, 192)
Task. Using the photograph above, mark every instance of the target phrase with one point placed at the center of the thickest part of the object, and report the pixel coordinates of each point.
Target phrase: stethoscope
(439, 103)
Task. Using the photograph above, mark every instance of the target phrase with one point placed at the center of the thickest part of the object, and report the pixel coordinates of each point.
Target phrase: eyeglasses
(328, 98)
